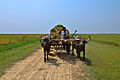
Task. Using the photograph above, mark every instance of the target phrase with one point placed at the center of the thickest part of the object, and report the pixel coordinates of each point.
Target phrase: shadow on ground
(51, 54)
(87, 61)
(54, 62)
(65, 57)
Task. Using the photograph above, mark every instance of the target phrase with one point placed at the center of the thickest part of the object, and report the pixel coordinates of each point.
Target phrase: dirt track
(59, 67)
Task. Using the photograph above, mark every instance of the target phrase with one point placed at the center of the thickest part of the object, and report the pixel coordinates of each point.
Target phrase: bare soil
(59, 67)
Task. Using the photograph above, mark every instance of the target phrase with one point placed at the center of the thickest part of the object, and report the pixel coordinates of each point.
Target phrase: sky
(39, 16)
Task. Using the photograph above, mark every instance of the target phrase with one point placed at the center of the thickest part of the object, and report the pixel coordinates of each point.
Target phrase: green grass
(104, 60)
(112, 39)
(16, 44)
(10, 53)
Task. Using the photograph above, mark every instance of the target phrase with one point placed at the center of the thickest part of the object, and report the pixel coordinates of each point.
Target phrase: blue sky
(39, 16)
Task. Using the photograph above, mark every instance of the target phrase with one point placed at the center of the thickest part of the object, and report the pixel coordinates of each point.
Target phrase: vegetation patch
(112, 39)
(10, 53)
(104, 60)
(5, 47)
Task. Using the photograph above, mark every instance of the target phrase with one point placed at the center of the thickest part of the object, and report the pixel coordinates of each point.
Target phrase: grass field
(103, 54)
(11, 38)
(112, 39)
(16, 47)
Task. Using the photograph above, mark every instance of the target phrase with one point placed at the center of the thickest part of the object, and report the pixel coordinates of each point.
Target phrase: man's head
(64, 28)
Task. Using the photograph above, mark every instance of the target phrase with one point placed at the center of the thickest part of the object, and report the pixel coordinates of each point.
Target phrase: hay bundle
(56, 31)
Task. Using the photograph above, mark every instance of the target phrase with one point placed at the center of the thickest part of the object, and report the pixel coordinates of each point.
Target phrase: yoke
(61, 41)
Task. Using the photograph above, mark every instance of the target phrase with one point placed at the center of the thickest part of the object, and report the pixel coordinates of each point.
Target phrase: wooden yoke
(66, 40)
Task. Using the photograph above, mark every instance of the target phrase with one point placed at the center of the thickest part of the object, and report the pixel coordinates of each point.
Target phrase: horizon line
(49, 33)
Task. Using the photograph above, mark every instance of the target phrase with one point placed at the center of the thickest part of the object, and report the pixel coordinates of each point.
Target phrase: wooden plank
(65, 39)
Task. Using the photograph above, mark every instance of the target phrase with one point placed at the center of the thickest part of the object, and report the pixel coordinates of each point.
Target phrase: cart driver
(64, 34)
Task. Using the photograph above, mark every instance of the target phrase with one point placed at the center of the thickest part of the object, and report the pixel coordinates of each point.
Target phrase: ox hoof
(44, 61)
(83, 59)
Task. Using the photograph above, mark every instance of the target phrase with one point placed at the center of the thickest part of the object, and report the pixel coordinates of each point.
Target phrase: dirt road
(59, 67)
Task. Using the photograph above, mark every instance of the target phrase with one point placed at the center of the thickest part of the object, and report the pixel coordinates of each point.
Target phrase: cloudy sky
(39, 16)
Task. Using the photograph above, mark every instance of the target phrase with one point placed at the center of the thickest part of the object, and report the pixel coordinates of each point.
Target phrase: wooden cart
(64, 44)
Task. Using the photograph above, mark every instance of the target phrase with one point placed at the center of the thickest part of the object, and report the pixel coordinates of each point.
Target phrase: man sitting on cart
(64, 34)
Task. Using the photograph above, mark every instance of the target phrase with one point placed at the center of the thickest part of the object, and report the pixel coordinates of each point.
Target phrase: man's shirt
(63, 34)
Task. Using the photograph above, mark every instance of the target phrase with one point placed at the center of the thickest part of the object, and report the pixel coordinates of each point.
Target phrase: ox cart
(77, 43)
(63, 44)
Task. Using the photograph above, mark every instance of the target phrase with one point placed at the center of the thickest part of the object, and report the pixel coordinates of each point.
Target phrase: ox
(79, 45)
(46, 44)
